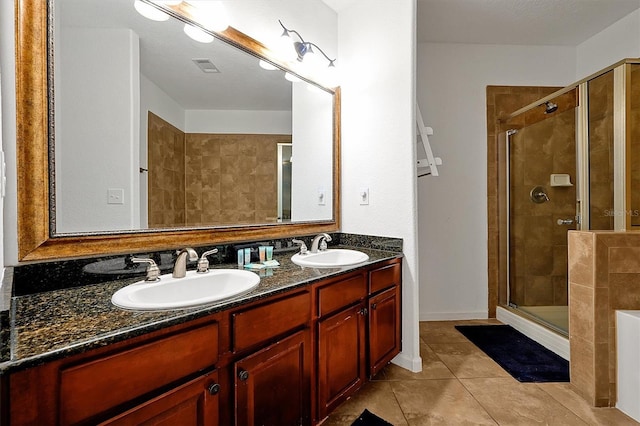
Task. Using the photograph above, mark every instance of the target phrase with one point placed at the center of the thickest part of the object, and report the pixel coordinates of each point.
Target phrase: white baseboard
(451, 316)
(412, 364)
(547, 338)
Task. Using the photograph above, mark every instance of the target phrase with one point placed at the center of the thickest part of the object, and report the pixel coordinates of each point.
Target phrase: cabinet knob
(214, 388)
(374, 305)
(363, 311)
(243, 375)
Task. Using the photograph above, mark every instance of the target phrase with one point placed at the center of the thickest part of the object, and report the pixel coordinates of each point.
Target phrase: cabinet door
(273, 385)
(341, 357)
(384, 329)
(193, 404)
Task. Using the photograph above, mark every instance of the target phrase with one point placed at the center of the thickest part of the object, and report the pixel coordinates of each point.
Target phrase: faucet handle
(323, 244)
(303, 246)
(153, 272)
(203, 263)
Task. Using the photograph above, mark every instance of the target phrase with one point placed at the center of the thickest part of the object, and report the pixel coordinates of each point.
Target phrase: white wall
(92, 154)
(618, 41)
(451, 92)
(311, 170)
(239, 121)
(377, 56)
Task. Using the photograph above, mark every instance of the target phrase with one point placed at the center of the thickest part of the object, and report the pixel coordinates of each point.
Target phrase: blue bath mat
(522, 357)
(367, 418)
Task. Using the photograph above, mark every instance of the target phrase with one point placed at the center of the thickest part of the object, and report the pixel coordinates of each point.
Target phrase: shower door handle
(565, 221)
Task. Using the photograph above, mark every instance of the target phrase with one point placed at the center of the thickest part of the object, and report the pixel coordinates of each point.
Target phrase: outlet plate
(115, 196)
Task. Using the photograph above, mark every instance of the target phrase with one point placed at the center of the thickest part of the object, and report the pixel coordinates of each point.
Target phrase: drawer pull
(243, 375)
(213, 389)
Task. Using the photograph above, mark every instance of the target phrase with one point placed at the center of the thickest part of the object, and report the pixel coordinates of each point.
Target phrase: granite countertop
(50, 325)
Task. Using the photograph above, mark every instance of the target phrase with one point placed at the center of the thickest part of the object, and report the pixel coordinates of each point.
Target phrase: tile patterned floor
(460, 385)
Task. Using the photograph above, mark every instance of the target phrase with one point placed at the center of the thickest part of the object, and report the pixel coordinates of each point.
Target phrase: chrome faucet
(153, 272)
(303, 246)
(321, 240)
(203, 263)
(180, 267)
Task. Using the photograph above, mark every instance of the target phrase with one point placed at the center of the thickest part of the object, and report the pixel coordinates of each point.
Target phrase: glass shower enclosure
(569, 161)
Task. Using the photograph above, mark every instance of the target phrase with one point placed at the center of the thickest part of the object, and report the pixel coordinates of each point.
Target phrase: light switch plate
(322, 197)
(364, 196)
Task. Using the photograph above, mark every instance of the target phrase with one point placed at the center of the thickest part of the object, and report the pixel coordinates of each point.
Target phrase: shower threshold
(555, 318)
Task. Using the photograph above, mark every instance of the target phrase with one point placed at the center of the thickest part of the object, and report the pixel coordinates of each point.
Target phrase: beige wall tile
(581, 258)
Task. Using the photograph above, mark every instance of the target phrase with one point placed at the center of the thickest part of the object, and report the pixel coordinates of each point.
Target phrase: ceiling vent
(206, 65)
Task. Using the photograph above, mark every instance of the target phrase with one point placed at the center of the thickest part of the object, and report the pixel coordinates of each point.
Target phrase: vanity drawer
(94, 387)
(340, 294)
(255, 325)
(382, 278)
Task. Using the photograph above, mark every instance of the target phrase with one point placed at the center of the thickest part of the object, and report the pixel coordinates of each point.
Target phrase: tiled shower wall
(165, 163)
(604, 276)
(544, 144)
(601, 152)
(501, 101)
(211, 179)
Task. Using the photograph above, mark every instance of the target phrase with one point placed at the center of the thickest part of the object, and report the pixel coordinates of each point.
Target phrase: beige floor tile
(514, 403)
(563, 393)
(439, 402)
(445, 332)
(432, 368)
(466, 360)
(377, 397)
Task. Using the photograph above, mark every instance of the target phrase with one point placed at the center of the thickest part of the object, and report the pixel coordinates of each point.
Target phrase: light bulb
(267, 66)
(331, 76)
(197, 34)
(292, 78)
(212, 15)
(283, 47)
(149, 11)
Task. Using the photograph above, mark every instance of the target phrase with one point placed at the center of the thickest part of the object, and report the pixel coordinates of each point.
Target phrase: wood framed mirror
(37, 237)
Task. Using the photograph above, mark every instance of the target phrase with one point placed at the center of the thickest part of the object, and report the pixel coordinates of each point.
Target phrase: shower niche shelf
(560, 179)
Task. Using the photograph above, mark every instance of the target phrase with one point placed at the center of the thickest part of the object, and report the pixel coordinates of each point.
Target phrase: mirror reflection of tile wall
(211, 179)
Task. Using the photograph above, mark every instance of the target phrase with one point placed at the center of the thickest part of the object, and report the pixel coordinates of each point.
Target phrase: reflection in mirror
(156, 130)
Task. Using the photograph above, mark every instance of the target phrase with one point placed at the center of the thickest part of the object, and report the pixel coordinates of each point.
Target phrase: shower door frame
(621, 185)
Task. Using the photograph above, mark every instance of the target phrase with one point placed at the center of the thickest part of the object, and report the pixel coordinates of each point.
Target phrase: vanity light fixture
(305, 49)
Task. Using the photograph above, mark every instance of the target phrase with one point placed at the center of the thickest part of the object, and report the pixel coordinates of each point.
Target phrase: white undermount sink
(192, 290)
(332, 258)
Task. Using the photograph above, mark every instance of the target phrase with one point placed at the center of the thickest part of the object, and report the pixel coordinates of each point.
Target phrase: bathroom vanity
(288, 352)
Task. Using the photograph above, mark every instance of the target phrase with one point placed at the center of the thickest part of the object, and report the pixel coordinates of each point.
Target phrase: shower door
(542, 207)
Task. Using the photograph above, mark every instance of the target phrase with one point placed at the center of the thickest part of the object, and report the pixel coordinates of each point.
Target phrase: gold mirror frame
(35, 241)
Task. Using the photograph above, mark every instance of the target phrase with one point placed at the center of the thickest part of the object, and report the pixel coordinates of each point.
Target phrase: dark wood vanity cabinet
(272, 362)
(341, 335)
(273, 385)
(358, 332)
(288, 359)
(193, 403)
(385, 319)
(159, 377)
